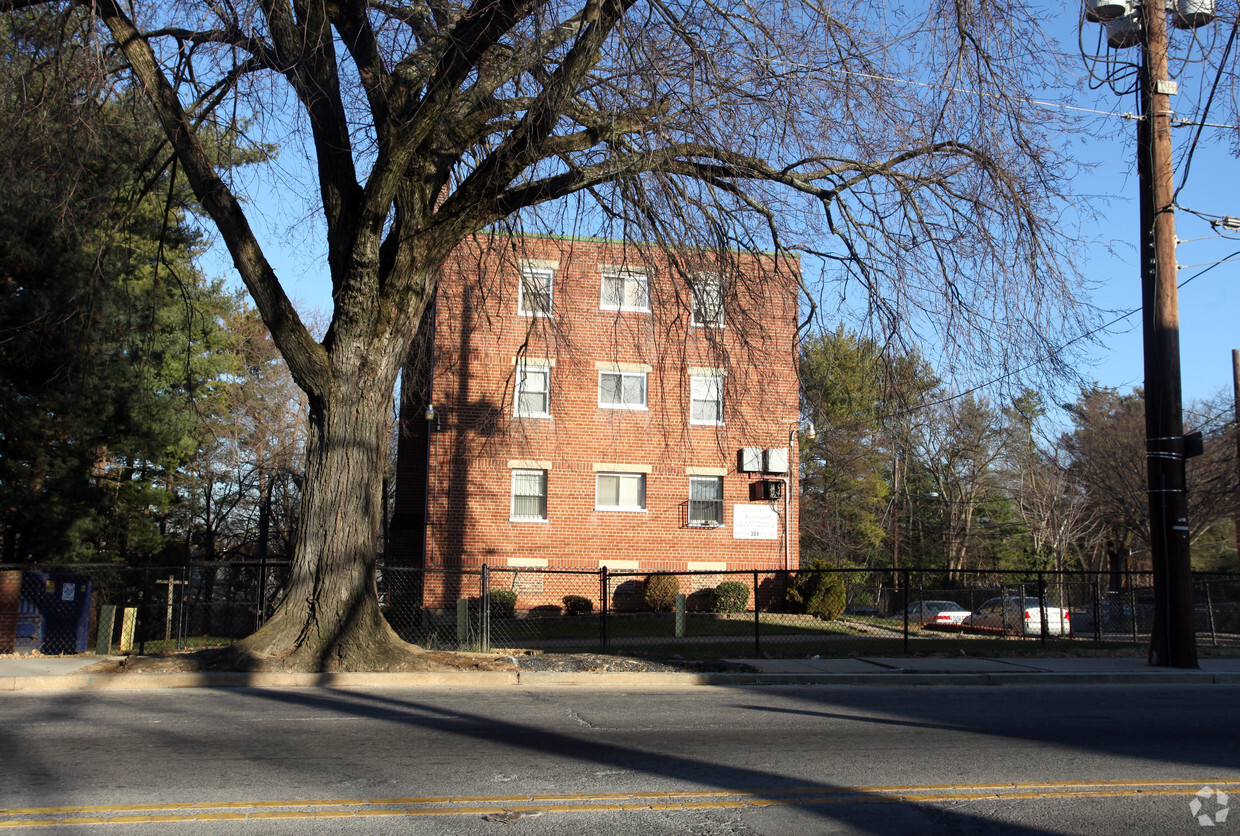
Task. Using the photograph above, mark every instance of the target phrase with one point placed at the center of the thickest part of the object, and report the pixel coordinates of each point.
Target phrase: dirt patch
(602, 663)
(224, 659)
(419, 661)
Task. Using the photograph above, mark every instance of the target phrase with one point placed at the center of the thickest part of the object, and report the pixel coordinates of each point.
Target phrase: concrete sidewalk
(65, 674)
(996, 669)
(26, 666)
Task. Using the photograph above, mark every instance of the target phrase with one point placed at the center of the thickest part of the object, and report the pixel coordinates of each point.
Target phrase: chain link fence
(703, 614)
(728, 614)
(75, 608)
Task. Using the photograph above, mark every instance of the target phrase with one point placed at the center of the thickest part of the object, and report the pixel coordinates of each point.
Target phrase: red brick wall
(479, 332)
(10, 597)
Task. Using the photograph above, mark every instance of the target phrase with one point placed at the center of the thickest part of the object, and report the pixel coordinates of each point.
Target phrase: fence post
(143, 615)
(1098, 607)
(1210, 612)
(757, 621)
(602, 610)
(260, 611)
(1132, 606)
(904, 585)
(185, 574)
(1042, 607)
(462, 623)
(484, 638)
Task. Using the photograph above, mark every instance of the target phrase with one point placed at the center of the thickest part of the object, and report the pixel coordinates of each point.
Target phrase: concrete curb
(599, 681)
(152, 681)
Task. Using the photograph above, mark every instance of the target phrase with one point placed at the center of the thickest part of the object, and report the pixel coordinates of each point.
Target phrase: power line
(1052, 353)
(985, 94)
(1049, 105)
(1218, 76)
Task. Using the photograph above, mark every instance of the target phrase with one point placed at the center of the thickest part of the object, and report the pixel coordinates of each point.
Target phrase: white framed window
(620, 492)
(706, 501)
(533, 391)
(705, 399)
(622, 389)
(535, 295)
(707, 300)
(625, 291)
(529, 495)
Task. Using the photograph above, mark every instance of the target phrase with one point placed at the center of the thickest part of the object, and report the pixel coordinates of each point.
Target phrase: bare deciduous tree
(1055, 510)
(899, 145)
(1106, 458)
(961, 445)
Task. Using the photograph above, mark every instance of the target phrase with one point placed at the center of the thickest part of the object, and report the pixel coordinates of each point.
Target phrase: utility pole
(1172, 638)
(1235, 389)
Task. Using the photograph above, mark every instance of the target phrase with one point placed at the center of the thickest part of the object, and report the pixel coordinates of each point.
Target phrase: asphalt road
(1023, 760)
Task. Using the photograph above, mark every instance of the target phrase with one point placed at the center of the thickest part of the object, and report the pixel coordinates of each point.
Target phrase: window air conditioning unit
(766, 490)
(749, 460)
(777, 460)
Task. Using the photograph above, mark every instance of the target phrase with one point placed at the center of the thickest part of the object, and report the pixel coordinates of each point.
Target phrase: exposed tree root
(365, 644)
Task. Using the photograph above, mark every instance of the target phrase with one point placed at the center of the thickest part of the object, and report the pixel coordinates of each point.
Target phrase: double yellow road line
(523, 805)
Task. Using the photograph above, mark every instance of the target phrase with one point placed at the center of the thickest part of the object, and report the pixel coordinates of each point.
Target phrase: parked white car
(1020, 615)
(941, 613)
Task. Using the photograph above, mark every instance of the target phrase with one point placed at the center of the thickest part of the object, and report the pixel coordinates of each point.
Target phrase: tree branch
(306, 358)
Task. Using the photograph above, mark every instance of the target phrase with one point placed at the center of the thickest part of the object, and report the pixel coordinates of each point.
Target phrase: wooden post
(172, 584)
(1173, 641)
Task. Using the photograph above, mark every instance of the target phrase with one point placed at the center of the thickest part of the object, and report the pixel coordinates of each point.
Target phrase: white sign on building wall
(754, 522)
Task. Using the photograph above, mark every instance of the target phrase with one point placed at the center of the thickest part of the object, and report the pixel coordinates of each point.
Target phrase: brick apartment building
(600, 403)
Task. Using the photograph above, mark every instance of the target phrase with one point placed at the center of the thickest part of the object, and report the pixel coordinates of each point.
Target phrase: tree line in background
(145, 414)
(904, 471)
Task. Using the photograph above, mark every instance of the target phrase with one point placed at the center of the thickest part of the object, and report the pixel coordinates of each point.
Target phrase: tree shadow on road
(841, 804)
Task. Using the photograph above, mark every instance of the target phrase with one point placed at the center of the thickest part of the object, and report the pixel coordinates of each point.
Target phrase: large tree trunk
(329, 618)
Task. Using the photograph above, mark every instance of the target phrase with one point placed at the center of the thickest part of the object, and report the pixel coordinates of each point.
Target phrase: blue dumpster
(53, 614)
(29, 632)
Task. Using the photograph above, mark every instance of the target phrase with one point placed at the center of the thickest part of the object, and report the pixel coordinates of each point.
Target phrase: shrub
(577, 605)
(661, 591)
(817, 593)
(503, 603)
(730, 596)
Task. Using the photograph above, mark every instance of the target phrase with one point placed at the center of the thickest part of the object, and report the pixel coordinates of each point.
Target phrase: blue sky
(1209, 304)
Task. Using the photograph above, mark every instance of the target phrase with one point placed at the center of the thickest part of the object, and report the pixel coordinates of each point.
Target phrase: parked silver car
(942, 613)
(1019, 616)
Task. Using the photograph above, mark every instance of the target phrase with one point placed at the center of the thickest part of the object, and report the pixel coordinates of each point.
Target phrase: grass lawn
(153, 646)
(660, 625)
(787, 635)
(713, 636)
